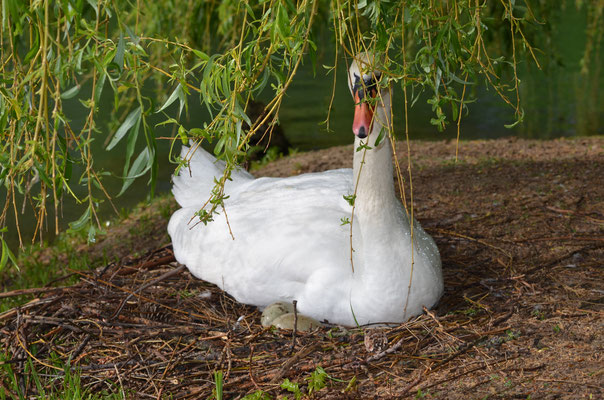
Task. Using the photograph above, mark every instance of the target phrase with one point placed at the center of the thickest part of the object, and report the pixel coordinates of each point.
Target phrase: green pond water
(559, 101)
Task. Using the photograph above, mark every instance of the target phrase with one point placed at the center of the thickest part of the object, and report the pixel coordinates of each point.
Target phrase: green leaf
(238, 134)
(200, 133)
(208, 69)
(131, 144)
(68, 94)
(139, 167)
(4, 256)
(265, 77)
(95, 5)
(92, 231)
(34, 47)
(175, 94)
(42, 174)
(218, 382)
(257, 395)
(133, 38)
(454, 110)
(7, 254)
(459, 80)
(363, 146)
(282, 21)
(201, 54)
(292, 387)
(316, 381)
(119, 54)
(350, 199)
(220, 145)
(131, 119)
(182, 132)
(380, 137)
(166, 122)
(99, 87)
(81, 222)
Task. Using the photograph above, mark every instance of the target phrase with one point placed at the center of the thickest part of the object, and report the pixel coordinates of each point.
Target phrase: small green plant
(257, 395)
(292, 387)
(557, 328)
(185, 294)
(316, 381)
(470, 311)
(217, 391)
(420, 394)
(271, 154)
(540, 315)
(352, 385)
(511, 335)
(70, 386)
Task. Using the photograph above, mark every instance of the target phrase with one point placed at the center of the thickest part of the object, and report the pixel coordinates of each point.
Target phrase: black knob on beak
(362, 133)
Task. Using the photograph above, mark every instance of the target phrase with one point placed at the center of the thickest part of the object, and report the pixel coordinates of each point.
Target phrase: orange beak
(363, 117)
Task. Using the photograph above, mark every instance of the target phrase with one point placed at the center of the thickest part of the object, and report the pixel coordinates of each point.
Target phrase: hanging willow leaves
(150, 54)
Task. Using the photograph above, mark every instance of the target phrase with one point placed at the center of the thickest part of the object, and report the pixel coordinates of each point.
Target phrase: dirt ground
(519, 225)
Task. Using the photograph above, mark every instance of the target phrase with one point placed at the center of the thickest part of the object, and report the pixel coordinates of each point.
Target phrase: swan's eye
(368, 86)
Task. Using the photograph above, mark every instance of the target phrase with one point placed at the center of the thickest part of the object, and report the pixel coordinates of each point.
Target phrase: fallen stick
(21, 292)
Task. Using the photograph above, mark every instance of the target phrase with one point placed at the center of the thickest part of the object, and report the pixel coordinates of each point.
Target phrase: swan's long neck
(373, 172)
(378, 212)
(382, 231)
(373, 176)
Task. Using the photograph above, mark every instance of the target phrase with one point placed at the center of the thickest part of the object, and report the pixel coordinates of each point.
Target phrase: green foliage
(145, 60)
(68, 386)
(272, 154)
(316, 381)
(55, 264)
(257, 395)
(218, 382)
(6, 254)
(350, 198)
(511, 335)
(292, 387)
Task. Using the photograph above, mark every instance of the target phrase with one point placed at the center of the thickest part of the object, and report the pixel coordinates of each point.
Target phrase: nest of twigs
(521, 316)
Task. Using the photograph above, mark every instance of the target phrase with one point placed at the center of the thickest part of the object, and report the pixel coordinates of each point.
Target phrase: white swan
(289, 242)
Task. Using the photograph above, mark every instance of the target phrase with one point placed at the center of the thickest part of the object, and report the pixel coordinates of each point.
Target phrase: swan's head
(370, 99)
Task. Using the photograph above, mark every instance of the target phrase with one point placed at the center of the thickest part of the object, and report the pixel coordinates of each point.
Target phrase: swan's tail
(193, 185)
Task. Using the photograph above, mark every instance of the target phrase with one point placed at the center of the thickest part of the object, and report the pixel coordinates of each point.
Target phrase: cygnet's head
(363, 80)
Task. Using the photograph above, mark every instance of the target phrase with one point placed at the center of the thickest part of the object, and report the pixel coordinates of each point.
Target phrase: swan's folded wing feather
(193, 185)
(285, 230)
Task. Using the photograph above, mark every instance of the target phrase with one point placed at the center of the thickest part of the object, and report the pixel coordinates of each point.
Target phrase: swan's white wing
(193, 185)
(288, 234)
